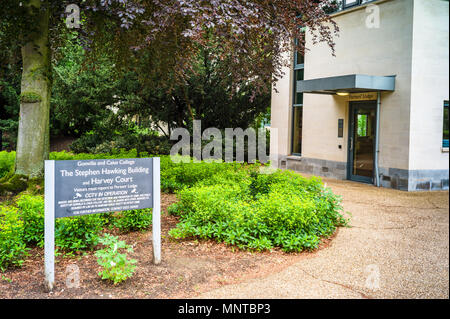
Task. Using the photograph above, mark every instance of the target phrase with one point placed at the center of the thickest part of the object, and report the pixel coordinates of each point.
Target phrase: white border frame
(156, 211)
(49, 225)
(49, 219)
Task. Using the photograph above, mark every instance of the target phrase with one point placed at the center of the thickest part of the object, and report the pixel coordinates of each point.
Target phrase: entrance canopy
(353, 83)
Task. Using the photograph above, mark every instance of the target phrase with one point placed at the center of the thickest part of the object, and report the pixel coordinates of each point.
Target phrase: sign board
(76, 188)
(365, 96)
(98, 186)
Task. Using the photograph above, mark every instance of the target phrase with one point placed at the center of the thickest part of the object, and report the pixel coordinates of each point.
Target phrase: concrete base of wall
(318, 167)
(414, 180)
(401, 179)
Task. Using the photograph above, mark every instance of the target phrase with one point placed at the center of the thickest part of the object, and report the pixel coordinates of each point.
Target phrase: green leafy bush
(72, 234)
(132, 220)
(7, 159)
(75, 233)
(259, 211)
(12, 246)
(115, 153)
(13, 184)
(32, 213)
(176, 176)
(6, 162)
(116, 266)
(133, 137)
(228, 202)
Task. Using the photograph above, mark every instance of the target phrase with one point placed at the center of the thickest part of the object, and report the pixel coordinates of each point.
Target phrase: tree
(10, 67)
(83, 90)
(250, 34)
(206, 93)
(33, 138)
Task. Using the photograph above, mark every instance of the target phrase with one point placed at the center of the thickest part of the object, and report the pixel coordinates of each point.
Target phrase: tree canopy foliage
(172, 61)
(250, 35)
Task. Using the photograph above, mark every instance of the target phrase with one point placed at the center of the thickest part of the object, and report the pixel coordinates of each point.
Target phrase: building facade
(377, 111)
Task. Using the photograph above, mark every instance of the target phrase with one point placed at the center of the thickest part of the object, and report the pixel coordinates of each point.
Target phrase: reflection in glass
(298, 104)
(299, 76)
(445, 134)
(299, 59)
(363, 139)
(362, 125)
(297, 134)
(348, 3)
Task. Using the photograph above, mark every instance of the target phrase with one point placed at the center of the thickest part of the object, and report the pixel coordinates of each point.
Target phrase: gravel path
(397, 247)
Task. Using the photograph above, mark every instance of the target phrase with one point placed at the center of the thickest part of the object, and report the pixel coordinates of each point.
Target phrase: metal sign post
(49, 225)
(156, 216)
(77, 188)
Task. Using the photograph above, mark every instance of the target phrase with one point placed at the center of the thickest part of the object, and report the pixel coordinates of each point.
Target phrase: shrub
(32, 213)
(6, 162)
(13, 184)
(229, 202)
(73, 234)
(12, 246)
(115, 153)
(176, 176)
(116, 266)
(143, 140)
(132, 220)
(259, 211)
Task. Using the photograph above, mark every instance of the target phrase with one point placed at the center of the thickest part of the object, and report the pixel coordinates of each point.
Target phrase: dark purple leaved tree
(251, 34)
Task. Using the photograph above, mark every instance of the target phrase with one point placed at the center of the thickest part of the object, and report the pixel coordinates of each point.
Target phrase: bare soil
(188, 268)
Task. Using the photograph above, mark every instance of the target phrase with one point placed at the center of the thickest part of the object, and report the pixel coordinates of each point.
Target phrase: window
(351, 3)
(298, 76)
(445, 129)
(297, 107)
(299, 60)
(297, 131)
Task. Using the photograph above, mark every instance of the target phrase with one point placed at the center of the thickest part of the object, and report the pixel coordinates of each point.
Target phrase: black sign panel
(99, 186)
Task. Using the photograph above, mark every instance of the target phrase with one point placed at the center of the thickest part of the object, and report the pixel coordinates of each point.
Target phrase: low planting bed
(257, 211)
(249, 207)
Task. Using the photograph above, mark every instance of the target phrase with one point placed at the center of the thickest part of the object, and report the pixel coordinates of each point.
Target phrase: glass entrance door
(362, 141)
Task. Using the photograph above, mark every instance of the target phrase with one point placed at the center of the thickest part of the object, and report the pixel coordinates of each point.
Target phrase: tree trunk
(33, 142)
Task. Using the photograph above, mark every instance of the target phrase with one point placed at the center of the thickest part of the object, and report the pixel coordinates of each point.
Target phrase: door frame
(369, 104)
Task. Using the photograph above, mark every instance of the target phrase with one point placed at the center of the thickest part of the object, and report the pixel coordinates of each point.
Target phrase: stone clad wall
(412, 44)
